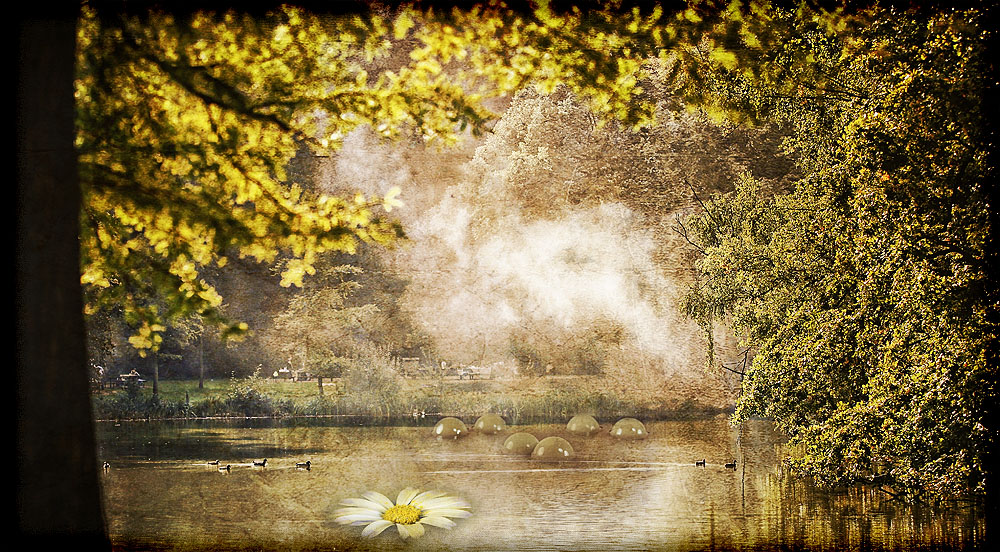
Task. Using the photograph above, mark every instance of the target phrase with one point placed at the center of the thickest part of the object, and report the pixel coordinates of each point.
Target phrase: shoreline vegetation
(411, 402)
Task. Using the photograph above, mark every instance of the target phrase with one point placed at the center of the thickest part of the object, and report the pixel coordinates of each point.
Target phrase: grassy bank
(412, 401)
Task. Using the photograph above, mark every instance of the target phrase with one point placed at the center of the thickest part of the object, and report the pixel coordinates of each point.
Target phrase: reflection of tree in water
(644, 494)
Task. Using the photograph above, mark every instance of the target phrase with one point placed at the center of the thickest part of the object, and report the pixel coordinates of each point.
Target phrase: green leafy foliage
(185, 129)
(322, 322)
(862, 293)
(247, 397)
(186, 124)
(373, 378)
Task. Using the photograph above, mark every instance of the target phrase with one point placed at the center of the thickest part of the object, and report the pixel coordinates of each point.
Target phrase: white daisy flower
(412, 510)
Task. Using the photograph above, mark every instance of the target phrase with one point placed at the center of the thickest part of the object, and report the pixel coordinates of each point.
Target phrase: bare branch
(683, 231)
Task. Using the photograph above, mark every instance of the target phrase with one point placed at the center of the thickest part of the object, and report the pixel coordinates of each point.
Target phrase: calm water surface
(613, 495)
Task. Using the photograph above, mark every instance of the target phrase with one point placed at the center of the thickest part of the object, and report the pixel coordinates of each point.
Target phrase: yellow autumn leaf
(390, 201)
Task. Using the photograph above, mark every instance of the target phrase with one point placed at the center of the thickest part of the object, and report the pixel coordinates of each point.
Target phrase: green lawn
(177, 390)
(537, 399)
(301, 391)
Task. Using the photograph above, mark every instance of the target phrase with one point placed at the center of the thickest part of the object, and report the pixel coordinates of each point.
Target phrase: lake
(160, 493)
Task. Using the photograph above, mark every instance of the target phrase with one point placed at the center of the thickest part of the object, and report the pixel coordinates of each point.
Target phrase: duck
(262, 463)
(213, 462)
(224, 468)
(304, 465)
(699, 462)
(731, 465)
(107, 466)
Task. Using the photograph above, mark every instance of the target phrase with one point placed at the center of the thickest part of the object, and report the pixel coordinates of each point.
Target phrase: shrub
(129, 405)
(372, 382)
(246, 398)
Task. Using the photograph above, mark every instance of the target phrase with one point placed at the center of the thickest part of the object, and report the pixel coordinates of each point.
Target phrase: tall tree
(186, 121)
(321, 323)
(183, 147)
(186, 124)
(191, 332)
(862, 295)
(58, 493)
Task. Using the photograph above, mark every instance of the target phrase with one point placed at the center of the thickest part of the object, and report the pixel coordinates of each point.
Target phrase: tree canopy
(861, 294)
(186, 123)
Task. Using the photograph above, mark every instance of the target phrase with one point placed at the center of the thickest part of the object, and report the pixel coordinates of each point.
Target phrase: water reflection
(161, 492)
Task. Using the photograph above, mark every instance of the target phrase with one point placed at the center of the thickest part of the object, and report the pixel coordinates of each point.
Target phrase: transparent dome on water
(629, 428)
(450, 428)
(520, 443)
(552, 448)
(489, 424)
(583, 424)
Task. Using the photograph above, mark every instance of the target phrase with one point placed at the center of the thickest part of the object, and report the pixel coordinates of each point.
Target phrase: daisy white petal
(415, 530)
(364, 514)
(353, 511)
(376, 527)
(404, 531)
(447, 512)
(406, 495)
(355, 518)
(426, 495)
(378, 498)
(444, 502)
(363, 503)
(438, 521)
(357, 512)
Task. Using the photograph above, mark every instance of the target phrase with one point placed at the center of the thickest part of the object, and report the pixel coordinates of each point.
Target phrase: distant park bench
(125, 380)
(473, 372)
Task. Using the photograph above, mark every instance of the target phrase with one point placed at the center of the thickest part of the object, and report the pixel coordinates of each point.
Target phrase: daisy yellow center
(402, 513)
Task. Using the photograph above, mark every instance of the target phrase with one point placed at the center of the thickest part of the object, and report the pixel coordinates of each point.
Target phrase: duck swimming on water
(262, 463)
(304, 465)
(731, 465)
(224, 468)
(213, 462)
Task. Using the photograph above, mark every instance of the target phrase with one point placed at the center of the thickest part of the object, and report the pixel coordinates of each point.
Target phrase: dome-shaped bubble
(552, 448)
(489, 424)
(520, 443)
(629, 428)
(583, 424)
(450, 428)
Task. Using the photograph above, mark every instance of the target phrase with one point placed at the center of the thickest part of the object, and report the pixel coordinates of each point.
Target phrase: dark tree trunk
(201, 360)
(155, 359)
(58, 489)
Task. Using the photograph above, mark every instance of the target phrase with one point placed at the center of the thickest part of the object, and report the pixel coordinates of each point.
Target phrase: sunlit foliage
(186, 123)
(319, 325)
(862, 293)
(184, 133)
